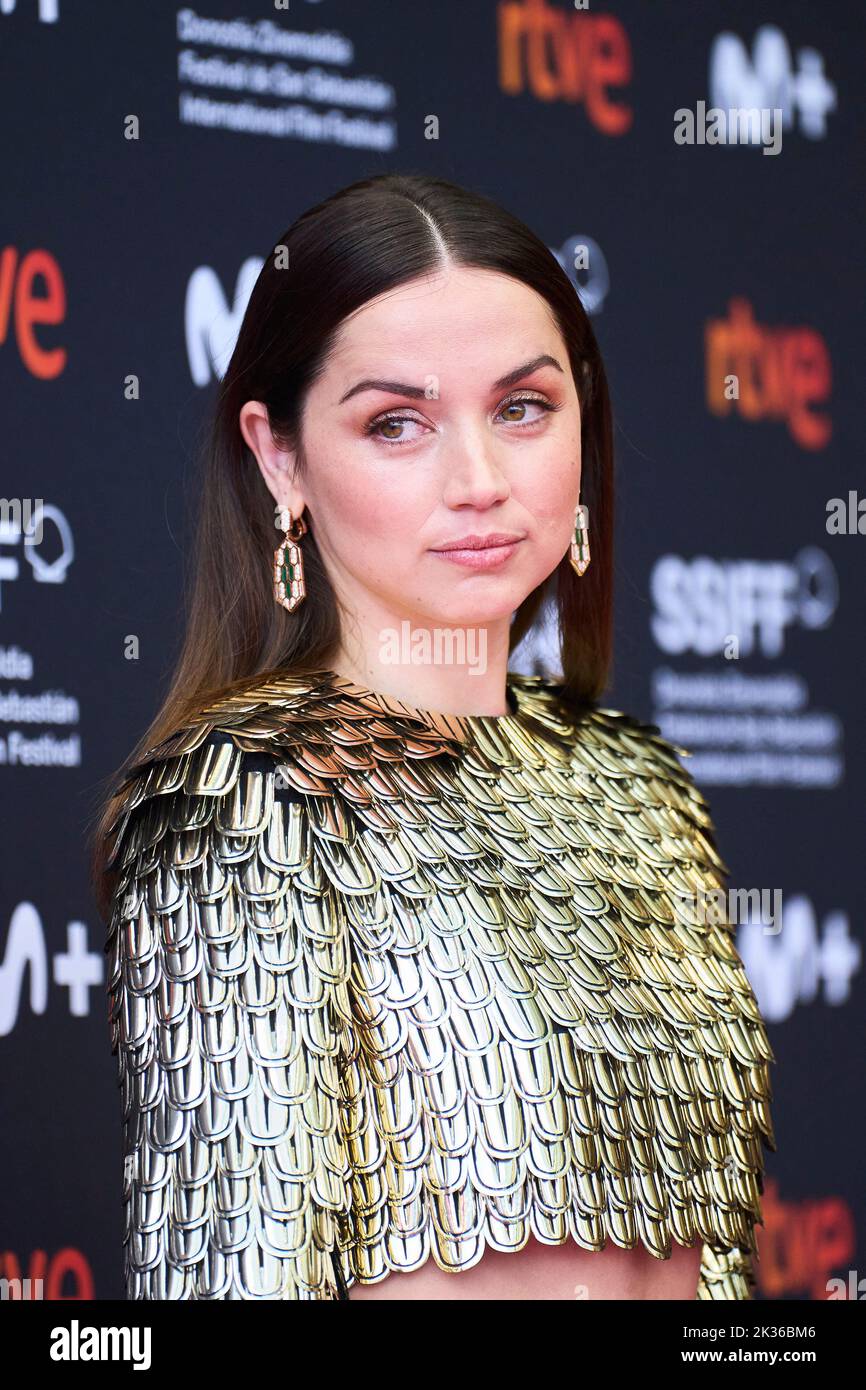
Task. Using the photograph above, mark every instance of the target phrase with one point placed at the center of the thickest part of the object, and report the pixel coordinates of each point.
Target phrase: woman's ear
(277, 464)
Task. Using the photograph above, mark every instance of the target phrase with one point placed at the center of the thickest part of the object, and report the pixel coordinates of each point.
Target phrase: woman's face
(447, 410)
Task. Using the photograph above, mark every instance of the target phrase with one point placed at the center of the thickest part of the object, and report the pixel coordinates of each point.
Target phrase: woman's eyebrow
(402, 388)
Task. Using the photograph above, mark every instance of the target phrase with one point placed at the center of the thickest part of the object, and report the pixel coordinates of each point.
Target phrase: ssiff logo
(22, 526)
(719, 607)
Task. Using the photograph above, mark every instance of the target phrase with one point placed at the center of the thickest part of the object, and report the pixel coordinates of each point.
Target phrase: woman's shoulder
(271, 740)
(307, 724)
(630, 771)
(625, 743)
(224, 759)
(299, 738)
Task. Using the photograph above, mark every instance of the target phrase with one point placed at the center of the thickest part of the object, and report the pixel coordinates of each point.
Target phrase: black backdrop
(152, 157)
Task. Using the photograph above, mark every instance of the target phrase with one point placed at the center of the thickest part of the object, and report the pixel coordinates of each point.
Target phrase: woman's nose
(474, 477)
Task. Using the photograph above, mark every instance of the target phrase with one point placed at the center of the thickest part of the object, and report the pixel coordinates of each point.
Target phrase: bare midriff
(540, 1271)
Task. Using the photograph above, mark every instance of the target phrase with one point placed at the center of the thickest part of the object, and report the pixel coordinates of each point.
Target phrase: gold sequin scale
(386, 986)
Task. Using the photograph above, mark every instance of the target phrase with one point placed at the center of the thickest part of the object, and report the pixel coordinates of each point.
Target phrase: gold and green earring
(579, 553)
(290, 588)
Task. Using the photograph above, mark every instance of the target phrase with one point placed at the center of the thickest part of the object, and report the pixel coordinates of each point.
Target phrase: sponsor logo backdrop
(154, 152)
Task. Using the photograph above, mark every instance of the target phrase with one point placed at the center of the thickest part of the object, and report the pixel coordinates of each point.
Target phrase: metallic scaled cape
(387, 985)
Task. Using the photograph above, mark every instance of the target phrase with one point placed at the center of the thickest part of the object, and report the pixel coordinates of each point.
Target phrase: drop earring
(290, 590)
(579, 553)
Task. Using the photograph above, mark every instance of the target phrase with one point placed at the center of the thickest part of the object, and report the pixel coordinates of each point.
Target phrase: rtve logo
(764, 373)
(802, 1244)
(64, 1275)
(21, 305)
(558, 56)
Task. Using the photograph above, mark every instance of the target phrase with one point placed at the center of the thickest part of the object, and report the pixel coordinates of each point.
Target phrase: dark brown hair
(364, 240)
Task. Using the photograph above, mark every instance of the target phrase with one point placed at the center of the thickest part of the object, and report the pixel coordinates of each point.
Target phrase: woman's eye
(520, 403)
(388, 423)
(392, 430)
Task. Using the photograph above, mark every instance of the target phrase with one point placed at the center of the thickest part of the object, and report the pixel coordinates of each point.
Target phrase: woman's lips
(488, 558)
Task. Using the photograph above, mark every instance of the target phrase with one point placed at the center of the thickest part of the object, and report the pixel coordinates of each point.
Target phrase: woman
(405, 988)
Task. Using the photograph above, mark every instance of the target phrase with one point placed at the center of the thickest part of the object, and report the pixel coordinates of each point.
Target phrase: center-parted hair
(364, 240)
